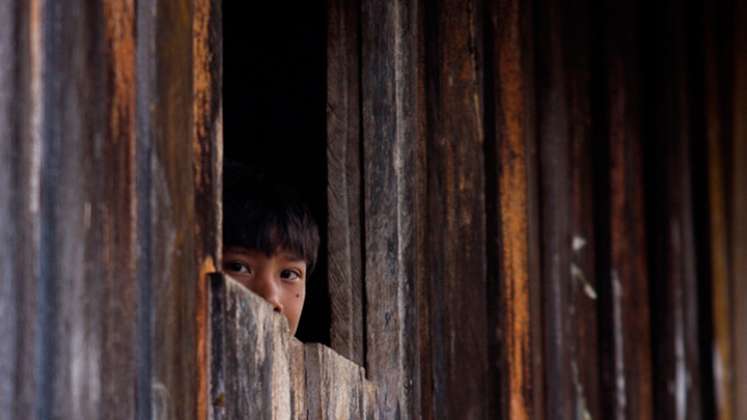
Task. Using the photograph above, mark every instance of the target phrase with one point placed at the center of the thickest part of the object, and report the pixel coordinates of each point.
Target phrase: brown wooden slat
(72, 186)
(170, 273)
(208, 149)
(335, 386)
(456, 236)
(516, 314)
(717, 129)
(114, 213)
(344, 197)
(739, 205)
(388, 63)
(556, 208)
(9, 307)
(626, 339)
(583, 289)
(297, 368)
(676, 358)
(21, 68)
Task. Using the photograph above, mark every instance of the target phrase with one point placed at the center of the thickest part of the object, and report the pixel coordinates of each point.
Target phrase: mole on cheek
(298, 295)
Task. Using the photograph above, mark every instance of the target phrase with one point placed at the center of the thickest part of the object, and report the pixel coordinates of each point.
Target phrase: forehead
(279, 253)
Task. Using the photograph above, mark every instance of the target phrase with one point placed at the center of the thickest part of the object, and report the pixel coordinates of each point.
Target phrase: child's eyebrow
(292, 256)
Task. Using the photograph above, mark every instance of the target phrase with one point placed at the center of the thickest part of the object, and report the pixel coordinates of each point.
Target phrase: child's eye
(236, 267)
(290, 275)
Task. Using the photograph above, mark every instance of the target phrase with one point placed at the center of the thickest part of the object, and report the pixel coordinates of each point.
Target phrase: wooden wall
(549, 196)
(536, 210)
(110, 122)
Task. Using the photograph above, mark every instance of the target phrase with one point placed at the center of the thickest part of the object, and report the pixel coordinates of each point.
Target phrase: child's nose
(266, 287)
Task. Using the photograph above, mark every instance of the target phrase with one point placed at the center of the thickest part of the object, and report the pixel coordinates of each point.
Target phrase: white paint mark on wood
(620, 385)
(578, 275)
(578, 243)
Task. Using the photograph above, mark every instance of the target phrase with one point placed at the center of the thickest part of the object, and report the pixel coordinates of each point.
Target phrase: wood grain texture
(70, 185)
(21, 145)
(556, 207)
(207, 49)
(297, 366)
(456, 237)
(250, 357)
(259, 371)
(114, 214)
(624, 296)
(335, 387)
(344, 193)
(717, 98)
(388, 83)
(8, 290)
(508, 90)
(169, 189)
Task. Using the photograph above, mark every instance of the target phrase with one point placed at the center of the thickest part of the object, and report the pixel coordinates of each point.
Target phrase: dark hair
(261, 214)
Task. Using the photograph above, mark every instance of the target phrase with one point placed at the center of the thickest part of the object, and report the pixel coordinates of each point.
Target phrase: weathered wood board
(344, 190)
(257, 370)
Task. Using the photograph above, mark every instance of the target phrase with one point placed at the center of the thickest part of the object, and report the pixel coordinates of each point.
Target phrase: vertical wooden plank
(556, 212)
(508, 105)
(145, 135)
(717, 111)
(85, 218)
(344, 199)
(217, 354)
(171, 273)
(583, 287)
(673, 286)
(459, 365)
(739, 205)
(388, 88)
(23, 172)
(624, 295)
(297, 379)
(113, 207)
(20, 111)
(568, 226)
(335, 386)
(79, 95)
(208, 158)
(8, 290)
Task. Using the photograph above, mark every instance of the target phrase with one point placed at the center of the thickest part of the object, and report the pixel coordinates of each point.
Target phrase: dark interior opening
(274, 96)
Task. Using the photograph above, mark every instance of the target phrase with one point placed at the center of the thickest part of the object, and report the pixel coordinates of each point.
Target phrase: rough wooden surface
(388, 83)
(258, 370)
(20, 100)
(69, 186)
(511, 281)
(624, 293)
(250, 363)
(335, 387)
(207, 141)
(556, 213)
(455, 212)
(169, 220)
(344, 193)
(718, 119)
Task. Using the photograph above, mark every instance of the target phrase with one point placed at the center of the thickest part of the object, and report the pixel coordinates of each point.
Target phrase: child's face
(280, 278)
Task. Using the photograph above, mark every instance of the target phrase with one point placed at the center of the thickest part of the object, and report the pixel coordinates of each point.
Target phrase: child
(270, 240)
